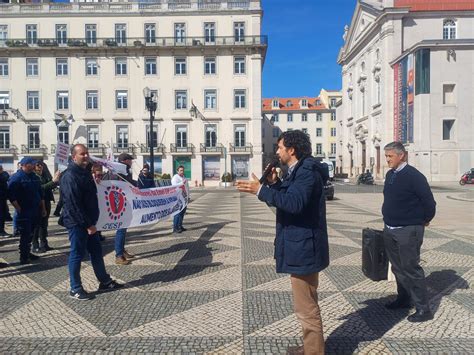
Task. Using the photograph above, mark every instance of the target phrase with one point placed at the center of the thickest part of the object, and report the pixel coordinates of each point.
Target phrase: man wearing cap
(122, 257)
(24, 192)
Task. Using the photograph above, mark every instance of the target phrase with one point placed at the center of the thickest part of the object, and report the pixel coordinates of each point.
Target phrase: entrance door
(377, 167)
(364, 157)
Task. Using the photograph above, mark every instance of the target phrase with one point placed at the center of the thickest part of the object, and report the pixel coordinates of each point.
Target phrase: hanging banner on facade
(62, 153)
(122, 205)
(410, 97)
(404, 98)
(111, 165)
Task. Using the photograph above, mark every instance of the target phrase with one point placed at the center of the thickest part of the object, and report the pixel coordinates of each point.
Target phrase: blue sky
(304, 40)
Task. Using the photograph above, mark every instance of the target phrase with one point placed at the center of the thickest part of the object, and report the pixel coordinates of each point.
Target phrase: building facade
(407, 75)
(75, 72)
(313, 115)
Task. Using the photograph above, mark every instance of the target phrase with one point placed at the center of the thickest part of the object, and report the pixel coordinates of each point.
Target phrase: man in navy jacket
(79, 215)
(408, 207)
(301, 243)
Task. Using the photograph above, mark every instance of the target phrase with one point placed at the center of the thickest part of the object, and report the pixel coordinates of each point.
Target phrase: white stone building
(313, 115)
(92, 60)
(407, 74)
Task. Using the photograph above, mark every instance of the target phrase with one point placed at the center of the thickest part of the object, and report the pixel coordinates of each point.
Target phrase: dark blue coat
(145, 182)
(301, 243)
(26, 190)
(79, 194)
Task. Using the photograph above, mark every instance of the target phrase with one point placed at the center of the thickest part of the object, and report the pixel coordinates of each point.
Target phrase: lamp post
(150, 100)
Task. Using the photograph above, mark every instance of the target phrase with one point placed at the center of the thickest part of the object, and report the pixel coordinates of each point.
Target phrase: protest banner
(122, 205)
(62, 153)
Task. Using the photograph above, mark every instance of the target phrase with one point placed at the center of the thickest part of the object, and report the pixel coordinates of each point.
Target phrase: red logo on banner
(115, 201)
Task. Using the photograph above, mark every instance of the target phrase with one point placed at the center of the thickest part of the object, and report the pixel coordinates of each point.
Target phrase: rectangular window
(92, 136)
(61, 67)
(448, 94)
(319, 117)
(239, 32)
(333, 131)
(179, 33)
(3, 34)
(91, 34)
(211, 135)
(181, 136)
(155, 136)
(4, 67)
(239, 136)
(210, 99)
(121, 99)
(290, 117)
(209, 65)
(4, 100)
(239, 65)
(4, 137)
(333, 148)
(122, 137)
(333, 116)
(276, 132)
(319, 149)
(32, 100)
(150, 33)
(304, 117)
(91, 66)
(63, 134)
(33, 137)
(120, 66)
(319, 132)
(239, 99)
(210, 32)
(180, 66)
(62, 100)
(275, 117)
(422, 71)
(150, 66)
(92, 100)
(181, 99)
(333, 102)
(32, 67)
(448, 130)
(31, 34)
(121, 33)
(61, 34)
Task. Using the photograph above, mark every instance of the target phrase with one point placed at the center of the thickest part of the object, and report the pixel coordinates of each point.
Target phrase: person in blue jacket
(79, 215)
(301, 243)
(145, 179)
(25, 194)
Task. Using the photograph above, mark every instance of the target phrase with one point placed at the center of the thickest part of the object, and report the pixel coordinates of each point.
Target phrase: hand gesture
(57, 176)
(251, 186)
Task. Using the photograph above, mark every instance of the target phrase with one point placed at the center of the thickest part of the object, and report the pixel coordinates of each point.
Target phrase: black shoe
(177, 231)
(39, 250)
(398, 304)
(56, 214)
(48, 248)
(33, 257)
(182, 229)
(4, 234)
(25, 261)
(81, 295)
(111, 286)
(420, 316)
(2, 265)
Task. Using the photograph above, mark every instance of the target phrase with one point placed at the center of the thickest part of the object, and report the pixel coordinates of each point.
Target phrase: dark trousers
(403, 249)
(178, 220)
(3, 214)
(40, 234)
(25, 226)
(81, 242)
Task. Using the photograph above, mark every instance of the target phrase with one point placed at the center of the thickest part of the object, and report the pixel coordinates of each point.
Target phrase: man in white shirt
(178, 218)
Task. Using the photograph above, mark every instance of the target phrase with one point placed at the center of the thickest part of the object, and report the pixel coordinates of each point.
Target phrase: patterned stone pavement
(213, 290)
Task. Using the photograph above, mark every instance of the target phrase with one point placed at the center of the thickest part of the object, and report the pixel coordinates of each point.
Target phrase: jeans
(120, 242)
(81, 242)
(178, 220)
(25, 225)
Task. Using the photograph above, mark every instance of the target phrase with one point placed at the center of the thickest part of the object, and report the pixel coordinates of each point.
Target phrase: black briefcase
(374, 257)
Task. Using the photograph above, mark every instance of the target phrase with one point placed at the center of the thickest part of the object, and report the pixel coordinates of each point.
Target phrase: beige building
(92, 60)
(313, 115)
(407, 75)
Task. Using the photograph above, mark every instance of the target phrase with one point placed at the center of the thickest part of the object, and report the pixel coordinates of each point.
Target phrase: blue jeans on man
(82, 242)
(178, 221)
(120, 242)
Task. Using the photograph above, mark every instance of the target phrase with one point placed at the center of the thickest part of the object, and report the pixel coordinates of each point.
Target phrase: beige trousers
(305, 298)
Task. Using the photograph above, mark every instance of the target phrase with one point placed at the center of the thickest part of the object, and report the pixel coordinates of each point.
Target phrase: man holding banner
(80, 214)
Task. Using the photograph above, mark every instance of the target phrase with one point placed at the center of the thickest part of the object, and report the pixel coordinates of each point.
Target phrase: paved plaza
(213, 289)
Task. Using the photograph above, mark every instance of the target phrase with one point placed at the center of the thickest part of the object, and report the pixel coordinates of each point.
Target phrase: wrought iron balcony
(184, 149)
(39, 150)
(246, 149)
(124, 148)
(218, 148)
(159, 149)
(97, 150)
(8, 150)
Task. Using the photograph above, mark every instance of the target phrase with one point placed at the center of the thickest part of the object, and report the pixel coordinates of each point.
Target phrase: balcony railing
(11, 149)
(135, 42)
(247, 148)
(41, 150)
(99, 150)
(218, 148)
(159, 149)
(124, 148)
(187, 148)
(179, 4)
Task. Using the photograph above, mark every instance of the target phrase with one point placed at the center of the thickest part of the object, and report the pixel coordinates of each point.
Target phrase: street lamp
(4, 115)
(151, 104)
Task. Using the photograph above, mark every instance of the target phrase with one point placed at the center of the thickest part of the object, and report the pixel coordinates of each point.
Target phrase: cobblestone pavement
(213, 290)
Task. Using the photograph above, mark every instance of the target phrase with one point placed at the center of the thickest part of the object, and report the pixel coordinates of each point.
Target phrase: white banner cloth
(118, 168)
(122, 205)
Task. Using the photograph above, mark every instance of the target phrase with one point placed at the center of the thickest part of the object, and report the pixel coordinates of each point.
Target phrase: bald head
(80, 155)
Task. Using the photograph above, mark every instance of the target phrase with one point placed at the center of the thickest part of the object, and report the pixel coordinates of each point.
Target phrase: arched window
(449, 29)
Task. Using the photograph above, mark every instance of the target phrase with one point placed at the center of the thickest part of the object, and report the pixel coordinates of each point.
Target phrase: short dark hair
(299, 141)
(179, 167)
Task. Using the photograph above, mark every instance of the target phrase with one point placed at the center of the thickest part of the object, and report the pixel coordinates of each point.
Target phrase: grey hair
(398, 147)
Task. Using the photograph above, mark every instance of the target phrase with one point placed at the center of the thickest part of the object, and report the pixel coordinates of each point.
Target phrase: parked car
(329, 190)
